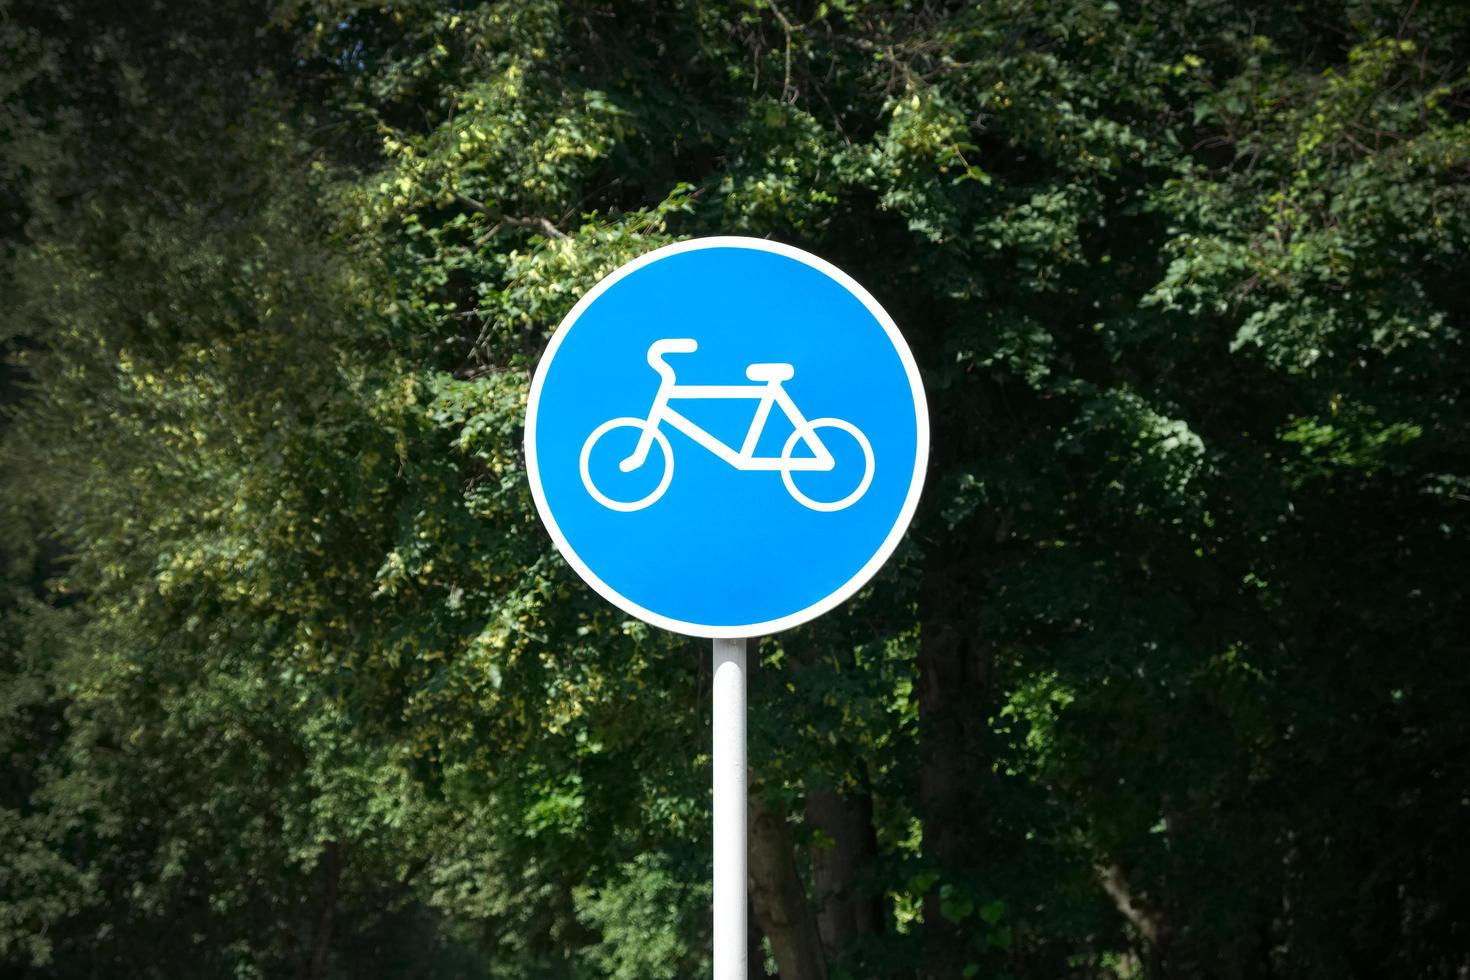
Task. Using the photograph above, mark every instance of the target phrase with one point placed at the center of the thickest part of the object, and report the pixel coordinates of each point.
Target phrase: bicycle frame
(769, 394)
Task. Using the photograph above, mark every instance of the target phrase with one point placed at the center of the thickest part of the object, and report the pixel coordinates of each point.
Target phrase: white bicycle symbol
(768, 393)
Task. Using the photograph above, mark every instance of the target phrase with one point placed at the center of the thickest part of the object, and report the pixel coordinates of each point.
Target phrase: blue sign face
(726, 437)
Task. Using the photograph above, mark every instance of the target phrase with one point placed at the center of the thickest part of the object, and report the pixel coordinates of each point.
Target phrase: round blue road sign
(727, 437)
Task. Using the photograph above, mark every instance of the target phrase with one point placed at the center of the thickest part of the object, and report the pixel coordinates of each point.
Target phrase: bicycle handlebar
(672, 345)
(669, 345)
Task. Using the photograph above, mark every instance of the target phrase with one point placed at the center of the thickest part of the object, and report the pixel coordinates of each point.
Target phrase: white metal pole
(731, 941)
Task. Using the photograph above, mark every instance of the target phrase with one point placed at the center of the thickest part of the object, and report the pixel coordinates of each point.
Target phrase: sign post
(794, 411)
(729, 810)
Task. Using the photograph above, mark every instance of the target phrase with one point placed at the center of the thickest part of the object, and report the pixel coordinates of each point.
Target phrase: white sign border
(838, 595)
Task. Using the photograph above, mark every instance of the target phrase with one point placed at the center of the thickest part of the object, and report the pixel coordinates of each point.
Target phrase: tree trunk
(755, 953)
(777, 897)
(953, 689)
(838, 864)
(315, 966)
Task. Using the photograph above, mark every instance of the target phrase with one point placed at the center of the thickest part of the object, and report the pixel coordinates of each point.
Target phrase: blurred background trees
(1168, 680)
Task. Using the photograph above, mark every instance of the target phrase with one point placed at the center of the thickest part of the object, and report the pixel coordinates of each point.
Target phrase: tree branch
(536, 224)
(1113, 882)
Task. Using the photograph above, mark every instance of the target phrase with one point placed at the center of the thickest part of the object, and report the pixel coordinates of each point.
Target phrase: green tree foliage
(1167, 680)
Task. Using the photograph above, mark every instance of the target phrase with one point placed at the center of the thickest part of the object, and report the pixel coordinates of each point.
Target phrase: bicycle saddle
(770, 372)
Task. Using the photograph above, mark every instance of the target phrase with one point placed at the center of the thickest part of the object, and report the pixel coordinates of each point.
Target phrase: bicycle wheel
(661, 440)
(862, 487)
